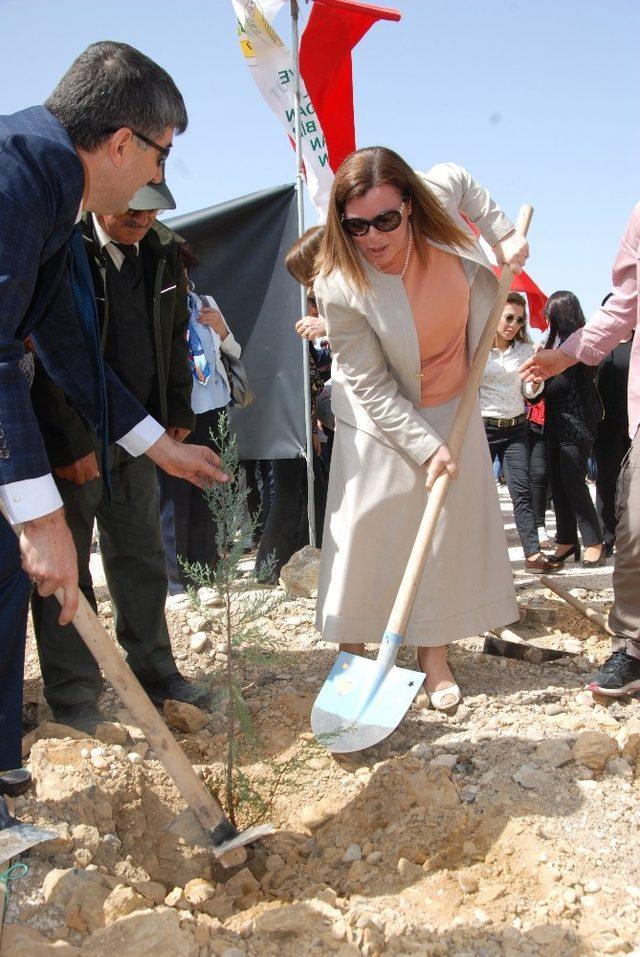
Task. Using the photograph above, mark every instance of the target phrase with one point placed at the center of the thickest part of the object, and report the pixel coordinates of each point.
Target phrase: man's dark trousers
(134, 564)
(14, 605)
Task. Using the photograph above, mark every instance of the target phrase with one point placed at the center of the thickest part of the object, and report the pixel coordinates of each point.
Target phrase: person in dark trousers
(502, 403)
(612, 442)
(141, 294)
(104, 132)
(613, 323)
(572, 411)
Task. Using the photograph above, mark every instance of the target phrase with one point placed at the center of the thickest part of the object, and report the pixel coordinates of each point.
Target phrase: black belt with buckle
(506, 423)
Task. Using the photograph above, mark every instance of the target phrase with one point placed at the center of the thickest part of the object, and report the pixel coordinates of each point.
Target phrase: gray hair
(112, 85)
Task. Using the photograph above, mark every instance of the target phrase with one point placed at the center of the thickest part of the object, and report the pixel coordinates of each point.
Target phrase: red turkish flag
(333, 30)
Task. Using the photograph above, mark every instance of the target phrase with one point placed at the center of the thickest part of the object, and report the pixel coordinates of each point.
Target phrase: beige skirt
(375, 502)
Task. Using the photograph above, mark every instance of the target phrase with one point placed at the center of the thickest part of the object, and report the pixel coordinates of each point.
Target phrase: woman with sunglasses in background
(406, 291)
(502, 395)
(572, 412)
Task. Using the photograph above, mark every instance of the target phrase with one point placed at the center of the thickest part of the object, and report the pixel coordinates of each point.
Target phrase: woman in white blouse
(502, 395)
(208, 337)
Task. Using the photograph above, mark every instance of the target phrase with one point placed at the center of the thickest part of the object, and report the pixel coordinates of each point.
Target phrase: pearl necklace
(406, 260)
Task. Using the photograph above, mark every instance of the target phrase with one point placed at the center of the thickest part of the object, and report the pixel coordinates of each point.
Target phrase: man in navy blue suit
(105, 131)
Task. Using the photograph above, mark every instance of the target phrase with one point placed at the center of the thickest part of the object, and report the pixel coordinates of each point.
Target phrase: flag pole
(311, 512)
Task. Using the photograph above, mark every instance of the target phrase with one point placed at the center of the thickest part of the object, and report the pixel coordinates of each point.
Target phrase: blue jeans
(511, 445)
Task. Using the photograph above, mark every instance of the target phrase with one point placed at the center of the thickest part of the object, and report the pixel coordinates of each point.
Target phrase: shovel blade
(357, 707)
(19, 838)
(188, 828)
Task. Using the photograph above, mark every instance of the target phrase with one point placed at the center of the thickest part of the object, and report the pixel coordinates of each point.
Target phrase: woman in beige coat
(406, 290)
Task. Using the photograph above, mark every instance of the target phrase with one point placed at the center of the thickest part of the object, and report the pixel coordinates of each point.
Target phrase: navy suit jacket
(41, 187)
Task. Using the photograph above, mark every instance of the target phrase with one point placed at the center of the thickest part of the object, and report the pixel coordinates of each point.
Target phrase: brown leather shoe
(542, 564)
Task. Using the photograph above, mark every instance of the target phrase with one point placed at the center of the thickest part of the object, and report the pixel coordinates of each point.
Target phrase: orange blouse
(439, 300)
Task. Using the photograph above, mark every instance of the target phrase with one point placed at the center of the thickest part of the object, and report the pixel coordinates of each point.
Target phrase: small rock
(409, 870)
(24, 942)
(468, 883)
(352, 853)
(184, 717)
(242, 883)
(553, 709)
(300, 575)
(628, 739)
(121, 901)
(555, 752)
(469, 793)
(199, 642)
(198, 891)
(111, 733)
(315, 815)
(84, 835)
(591, 887)
(146, 933)
(176, 898)
(209, 596)
(422, 750)
(444, 761)
(593, 749)
(618, 767)
(531, 778)
(85, 910)
(152, 890)
(197, 623)
(580, 593)
(374, 858)
(61, 884)
(100, 759)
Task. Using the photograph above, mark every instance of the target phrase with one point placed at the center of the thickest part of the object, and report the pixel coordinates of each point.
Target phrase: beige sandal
(439, 701)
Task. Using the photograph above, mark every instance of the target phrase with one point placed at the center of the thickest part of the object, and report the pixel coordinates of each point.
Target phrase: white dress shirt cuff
(142, 436)
(531, 391)
(30, 498)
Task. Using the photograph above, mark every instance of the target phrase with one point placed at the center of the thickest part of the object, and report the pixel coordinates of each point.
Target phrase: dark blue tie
(84, 298)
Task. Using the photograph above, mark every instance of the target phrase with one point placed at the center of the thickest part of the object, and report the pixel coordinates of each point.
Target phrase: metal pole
(311, 512)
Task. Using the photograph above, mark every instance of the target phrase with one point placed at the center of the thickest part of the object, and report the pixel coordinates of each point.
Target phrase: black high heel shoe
(601, 560)
(561, 559)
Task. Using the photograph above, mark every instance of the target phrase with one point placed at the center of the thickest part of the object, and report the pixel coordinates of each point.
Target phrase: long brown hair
(301, 260)
(360, 172)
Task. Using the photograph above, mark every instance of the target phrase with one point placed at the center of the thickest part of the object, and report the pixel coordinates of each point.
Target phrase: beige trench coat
(383, 438)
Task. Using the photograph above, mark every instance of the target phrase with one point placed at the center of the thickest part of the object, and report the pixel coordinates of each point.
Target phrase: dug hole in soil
(509, 828)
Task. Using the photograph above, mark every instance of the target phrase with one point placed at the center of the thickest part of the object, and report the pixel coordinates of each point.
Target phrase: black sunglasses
(384, 222)
(162, 150)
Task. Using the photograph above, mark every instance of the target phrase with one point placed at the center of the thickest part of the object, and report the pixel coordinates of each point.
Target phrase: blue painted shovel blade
(360, 705)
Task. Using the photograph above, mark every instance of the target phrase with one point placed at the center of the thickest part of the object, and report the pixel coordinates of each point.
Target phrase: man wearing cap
(142, 307)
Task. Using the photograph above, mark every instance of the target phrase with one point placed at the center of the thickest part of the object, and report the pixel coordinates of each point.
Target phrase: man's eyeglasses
(162, 150)
(511, 319)
(384, 222)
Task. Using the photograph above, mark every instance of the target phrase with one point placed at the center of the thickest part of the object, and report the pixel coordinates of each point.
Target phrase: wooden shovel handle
(587, 610)
(415, 566)
(146, 717)
(136, 700)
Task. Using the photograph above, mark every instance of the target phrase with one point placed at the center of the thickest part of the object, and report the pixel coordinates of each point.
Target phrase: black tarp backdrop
(242, 245)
